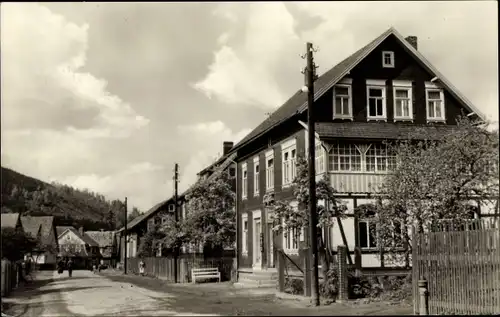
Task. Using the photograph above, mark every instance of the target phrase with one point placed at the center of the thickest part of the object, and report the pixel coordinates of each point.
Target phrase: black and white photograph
(295, 158)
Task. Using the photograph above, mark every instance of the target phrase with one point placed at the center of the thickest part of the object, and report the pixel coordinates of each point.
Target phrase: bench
(205, 273)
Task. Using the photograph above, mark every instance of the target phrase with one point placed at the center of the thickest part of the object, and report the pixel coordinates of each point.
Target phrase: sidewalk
(20, 300)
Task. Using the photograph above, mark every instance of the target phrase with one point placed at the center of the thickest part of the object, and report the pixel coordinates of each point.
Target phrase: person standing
(142, 266)
(70, 267)
(60, 266)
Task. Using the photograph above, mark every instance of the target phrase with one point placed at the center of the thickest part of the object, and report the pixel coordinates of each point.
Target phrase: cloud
(44, 84)
(207, 139)
(259, 66)
(136, 178)
(244, 74)
(58, 119)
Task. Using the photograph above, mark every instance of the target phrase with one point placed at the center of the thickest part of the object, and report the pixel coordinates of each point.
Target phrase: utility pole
(126, 240)
(176, 215)
(310, 73)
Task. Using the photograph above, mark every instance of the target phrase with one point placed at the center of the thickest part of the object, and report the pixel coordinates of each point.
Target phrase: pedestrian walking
(70, 267)
(60, 266)
(142, 266)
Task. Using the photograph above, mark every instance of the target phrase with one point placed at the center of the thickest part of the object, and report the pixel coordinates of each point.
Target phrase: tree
(286, 216)
(15, 244)
(110, 219)
(211, 215)
(148, 245)
(435, 179)
(134, 214)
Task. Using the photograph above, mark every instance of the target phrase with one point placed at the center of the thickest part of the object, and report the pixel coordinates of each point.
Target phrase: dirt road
(86, 294)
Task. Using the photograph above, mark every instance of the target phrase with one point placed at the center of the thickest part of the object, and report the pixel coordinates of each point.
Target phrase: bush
(398, 288)
(391, 287)
(329, 288)
(294, 286)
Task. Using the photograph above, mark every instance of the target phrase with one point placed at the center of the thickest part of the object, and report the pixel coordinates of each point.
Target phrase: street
(86, 294)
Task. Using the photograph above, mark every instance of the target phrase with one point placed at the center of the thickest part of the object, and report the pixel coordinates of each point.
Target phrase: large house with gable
(43, 229)
(383, 91)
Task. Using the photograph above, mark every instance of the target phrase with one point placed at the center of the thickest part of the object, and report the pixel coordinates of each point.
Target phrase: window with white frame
(344, 157)
(342, 99)
(376, 100)
(388, 59)
(270, 171)
(244, 181)
(434, 97)
(291, 238)
(256, 176)
(244, 234)
(320, 159)
(402, 91)
(379, 158)
(367, 232)
(289, 156)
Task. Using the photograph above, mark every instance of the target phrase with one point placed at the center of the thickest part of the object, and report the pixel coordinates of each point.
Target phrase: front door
(270, 249)
(257, 255)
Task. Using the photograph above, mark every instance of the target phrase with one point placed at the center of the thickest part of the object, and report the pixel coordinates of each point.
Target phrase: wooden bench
(205, 273)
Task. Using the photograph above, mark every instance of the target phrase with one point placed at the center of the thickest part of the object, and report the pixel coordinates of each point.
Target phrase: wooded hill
(69, 206)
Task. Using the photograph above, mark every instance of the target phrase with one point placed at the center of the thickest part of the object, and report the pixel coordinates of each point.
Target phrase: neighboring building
(140, 225)
(384, 91)
(106, 240)
(11, 220)
(77, 245)
(164, 211)
(43, 229)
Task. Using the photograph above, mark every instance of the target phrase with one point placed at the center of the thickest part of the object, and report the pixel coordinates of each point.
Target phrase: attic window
(388, 59)
(171, 207)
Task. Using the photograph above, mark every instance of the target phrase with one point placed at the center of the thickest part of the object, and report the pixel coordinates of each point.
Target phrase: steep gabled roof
(31, 226)
(102, 238)
(9, 220)
(298, 102)
(139, 219)
(42, 224)
(85, 238)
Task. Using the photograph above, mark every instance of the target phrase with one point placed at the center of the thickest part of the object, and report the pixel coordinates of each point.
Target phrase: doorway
(257, 255)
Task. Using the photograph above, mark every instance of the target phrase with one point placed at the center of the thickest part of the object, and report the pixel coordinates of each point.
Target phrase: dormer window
(376, 101)
(434, 97)
(342, 99)
(387, 59)
(403, 103)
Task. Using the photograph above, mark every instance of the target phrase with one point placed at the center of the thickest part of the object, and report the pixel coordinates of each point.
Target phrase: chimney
(226, 147)
(413, 40)
(80, 231)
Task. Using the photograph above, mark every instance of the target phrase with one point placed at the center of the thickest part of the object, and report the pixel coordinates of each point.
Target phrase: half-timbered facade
(382, 92)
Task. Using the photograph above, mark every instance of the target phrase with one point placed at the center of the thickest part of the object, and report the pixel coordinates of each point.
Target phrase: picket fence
(461, 263)
(9, 277)
(163, 267)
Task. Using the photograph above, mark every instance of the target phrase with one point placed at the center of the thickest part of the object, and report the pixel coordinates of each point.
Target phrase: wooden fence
(461, 263)
(163, 267)
(9, 277)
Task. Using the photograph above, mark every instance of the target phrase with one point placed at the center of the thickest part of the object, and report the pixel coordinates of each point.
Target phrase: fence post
(234, 270)
(424, 297)
(342, 272)
(281, 272)
(306, 255)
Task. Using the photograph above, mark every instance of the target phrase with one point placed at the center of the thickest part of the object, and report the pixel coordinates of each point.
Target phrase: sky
(108, 96)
